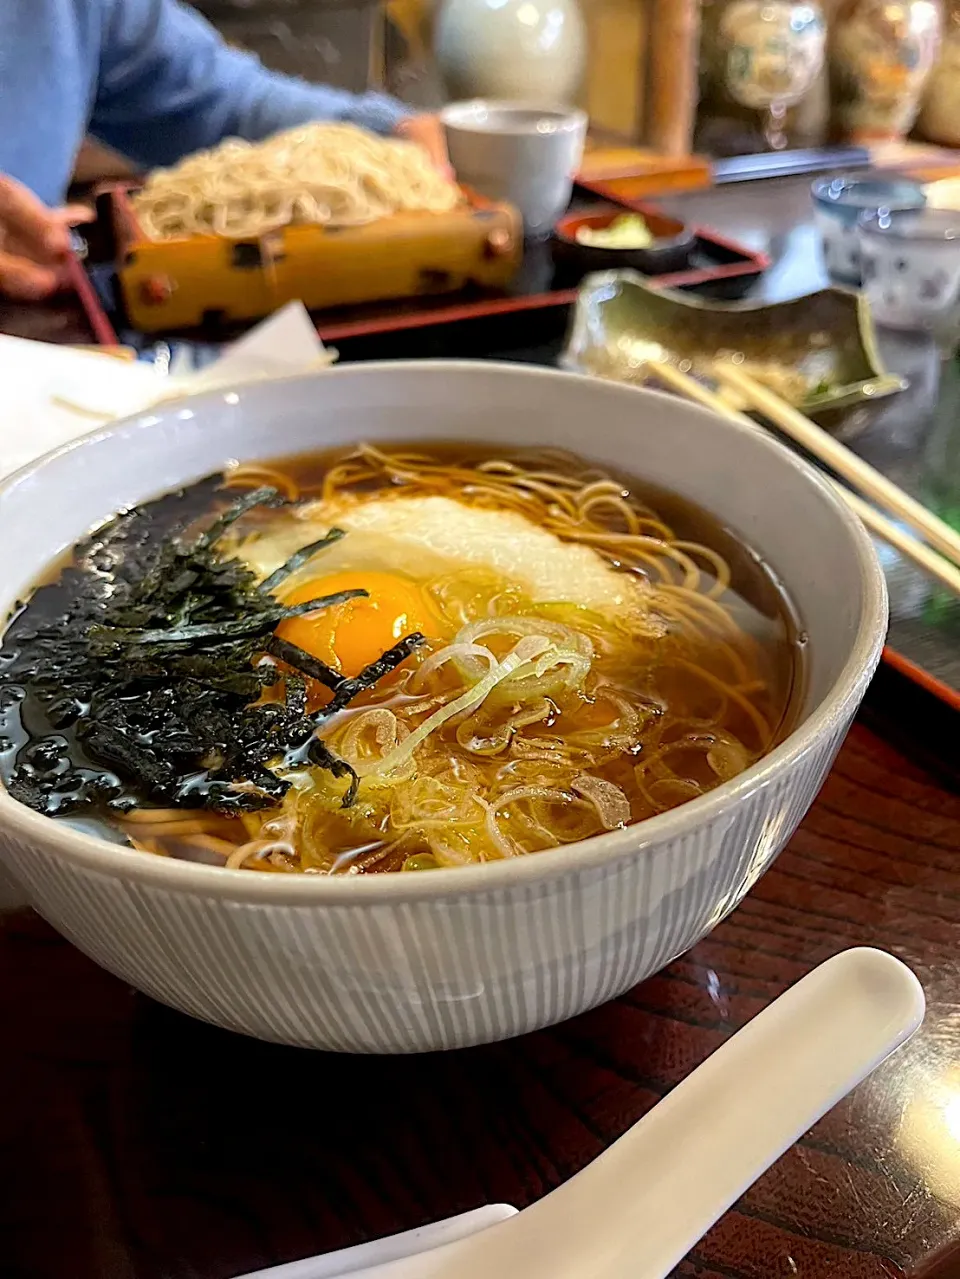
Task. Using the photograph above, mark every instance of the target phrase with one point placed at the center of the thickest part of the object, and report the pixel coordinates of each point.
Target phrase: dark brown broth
(757, 600)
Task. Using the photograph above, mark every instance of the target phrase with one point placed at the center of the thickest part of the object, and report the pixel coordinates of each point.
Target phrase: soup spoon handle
(639, 1208)
(356, 1261)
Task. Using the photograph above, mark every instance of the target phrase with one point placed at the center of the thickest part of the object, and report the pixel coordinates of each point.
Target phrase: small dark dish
(673, 245)
(622, 323)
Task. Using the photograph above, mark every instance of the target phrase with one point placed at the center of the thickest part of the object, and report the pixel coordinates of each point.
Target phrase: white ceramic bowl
(413, 962)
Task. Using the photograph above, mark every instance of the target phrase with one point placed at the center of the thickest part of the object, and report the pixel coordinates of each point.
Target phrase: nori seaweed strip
(311, 666)
(370, 675)
(300, 558)
(245, 627)
(142, 679)
(295, 694)
(113, 746)
(320, 754)
(258, 497)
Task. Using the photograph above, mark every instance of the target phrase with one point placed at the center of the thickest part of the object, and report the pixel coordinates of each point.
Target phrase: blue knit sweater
(148, 77)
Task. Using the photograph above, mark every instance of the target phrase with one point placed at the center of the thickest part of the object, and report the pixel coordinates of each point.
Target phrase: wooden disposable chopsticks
(840, 459)
(921, 555)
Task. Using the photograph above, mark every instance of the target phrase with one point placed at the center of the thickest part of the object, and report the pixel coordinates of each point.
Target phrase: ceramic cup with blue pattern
(838, 204)
(910, 261)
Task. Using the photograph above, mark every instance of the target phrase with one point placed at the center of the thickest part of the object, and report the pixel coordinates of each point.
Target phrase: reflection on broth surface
(367, 661)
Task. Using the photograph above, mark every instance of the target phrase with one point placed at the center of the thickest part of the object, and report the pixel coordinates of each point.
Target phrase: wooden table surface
(138, 1144)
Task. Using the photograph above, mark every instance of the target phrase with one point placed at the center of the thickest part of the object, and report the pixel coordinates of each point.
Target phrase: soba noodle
(333, 175)
(603, 724)
(394, 660)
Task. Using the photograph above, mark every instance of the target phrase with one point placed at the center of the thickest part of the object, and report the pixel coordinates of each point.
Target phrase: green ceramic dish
(818, 351)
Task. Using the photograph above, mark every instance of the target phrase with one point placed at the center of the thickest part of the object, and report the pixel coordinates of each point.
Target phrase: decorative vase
(881, 54)
(759, 58)
(940, 113)
(518, 50)
(775, 48)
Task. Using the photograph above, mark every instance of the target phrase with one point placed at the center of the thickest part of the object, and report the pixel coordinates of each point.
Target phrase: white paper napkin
(51, 395)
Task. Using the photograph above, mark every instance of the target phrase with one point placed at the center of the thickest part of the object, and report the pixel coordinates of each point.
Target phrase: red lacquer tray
(718, 268)
(530, 327)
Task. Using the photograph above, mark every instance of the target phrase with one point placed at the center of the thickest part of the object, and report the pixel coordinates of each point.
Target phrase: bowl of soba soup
(410, 706)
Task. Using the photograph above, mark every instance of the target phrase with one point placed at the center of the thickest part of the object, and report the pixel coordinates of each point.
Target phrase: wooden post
(673, 74)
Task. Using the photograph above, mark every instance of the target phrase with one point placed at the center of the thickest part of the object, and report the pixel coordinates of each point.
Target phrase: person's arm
(168, 86)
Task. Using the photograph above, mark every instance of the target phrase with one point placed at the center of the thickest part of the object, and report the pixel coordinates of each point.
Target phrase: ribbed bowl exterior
(425, 974)
(408, 963)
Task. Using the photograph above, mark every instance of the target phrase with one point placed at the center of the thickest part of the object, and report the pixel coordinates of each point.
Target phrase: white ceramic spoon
(638, 1209)
(349, 1262)
(642, 1205)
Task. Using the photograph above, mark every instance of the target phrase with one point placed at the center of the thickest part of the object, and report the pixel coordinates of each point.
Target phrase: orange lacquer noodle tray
(180, 283)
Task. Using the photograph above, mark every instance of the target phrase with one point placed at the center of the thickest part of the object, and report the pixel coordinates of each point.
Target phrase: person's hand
(427, 131)
(34, 241)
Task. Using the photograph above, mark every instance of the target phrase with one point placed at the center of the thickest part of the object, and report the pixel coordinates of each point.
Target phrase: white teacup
(910, 261)
(522, 153)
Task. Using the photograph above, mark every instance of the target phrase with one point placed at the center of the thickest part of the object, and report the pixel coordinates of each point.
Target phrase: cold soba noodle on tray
(332, 175)
(394, 660)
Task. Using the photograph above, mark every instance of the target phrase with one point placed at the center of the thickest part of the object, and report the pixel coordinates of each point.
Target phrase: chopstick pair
(838, 458)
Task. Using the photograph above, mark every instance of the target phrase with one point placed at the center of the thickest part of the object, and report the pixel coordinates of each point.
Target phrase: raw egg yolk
(350, 636)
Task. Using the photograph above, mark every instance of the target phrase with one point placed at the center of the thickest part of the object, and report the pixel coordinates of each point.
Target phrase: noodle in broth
(523, 723)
